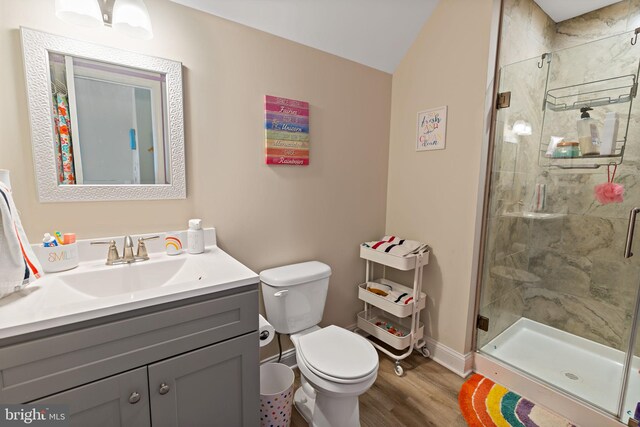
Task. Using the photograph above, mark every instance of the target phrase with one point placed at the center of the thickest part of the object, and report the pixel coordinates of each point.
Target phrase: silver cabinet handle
(630, 231)
(134, 397)
(164, 388)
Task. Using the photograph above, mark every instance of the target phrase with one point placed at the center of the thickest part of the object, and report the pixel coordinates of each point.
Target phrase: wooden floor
(427, 395)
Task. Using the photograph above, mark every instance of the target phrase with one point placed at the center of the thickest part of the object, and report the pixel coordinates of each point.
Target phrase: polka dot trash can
(276, 395)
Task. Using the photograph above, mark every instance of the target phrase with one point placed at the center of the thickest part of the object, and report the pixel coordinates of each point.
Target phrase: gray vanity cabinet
(187, 363)
(213, 386)
(118, 401)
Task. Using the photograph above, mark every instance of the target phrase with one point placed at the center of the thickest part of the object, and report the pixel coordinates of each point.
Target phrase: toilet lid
(338, 353)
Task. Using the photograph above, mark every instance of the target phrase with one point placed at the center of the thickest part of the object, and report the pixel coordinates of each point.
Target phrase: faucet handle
(112, 255)
(142, 248)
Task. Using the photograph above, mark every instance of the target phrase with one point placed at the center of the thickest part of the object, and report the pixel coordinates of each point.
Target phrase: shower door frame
(515, 379)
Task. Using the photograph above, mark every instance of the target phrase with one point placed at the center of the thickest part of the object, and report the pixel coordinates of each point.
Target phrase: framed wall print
(432, 129)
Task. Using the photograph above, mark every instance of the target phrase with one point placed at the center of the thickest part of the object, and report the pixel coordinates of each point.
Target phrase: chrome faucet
(113, 258)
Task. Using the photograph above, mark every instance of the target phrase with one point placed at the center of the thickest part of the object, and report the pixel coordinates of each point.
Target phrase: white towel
(18, 264)
(397, 246)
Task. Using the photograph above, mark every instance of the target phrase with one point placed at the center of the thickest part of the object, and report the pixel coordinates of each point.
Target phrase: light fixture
(520, 127)
(132, 17)
(508, 135)
(80, 12)
(127, 16)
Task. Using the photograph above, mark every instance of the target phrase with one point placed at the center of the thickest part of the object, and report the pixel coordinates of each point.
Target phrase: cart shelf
(399, 310)
(394, 261)
(367, 322)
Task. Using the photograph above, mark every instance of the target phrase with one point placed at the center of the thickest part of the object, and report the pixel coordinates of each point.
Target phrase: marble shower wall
(567, 272)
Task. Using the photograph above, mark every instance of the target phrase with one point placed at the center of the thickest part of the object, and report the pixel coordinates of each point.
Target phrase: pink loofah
(609, 192)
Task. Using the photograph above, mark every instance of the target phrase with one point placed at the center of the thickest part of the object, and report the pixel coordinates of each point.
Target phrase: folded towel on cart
(399, 297)
(397, 246)
(396, 297)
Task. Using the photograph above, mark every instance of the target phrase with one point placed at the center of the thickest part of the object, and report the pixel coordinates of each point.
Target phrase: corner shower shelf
(609, 94)
(535, 215)
(616, 90)
(588, 162)
(403, 318)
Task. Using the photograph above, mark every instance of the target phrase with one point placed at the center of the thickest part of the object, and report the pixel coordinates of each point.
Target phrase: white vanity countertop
(59, 299)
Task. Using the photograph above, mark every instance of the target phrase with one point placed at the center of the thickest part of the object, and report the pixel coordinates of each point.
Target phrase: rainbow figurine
(173, 244)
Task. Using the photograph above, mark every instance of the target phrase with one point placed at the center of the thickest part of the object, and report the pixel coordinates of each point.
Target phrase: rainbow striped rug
(487, 404)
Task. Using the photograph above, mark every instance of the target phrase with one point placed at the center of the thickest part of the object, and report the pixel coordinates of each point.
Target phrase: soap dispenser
(587, 133)
(195, 236)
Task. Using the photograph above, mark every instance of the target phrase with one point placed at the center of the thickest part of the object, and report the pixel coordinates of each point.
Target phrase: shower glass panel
(631, 407)
(559, 296)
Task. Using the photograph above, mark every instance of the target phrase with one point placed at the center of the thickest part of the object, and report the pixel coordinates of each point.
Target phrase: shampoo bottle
(587, 133)
(609, 134)
(195, 236)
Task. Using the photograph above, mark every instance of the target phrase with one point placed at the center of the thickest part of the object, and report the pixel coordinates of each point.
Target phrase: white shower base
(583, 368)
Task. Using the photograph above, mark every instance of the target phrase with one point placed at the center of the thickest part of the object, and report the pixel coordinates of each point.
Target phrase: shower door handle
(630, 231)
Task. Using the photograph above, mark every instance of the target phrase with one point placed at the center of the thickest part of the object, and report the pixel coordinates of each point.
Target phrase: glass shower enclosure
(559, 300)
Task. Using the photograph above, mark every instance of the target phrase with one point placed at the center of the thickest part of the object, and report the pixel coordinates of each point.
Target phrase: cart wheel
(398, 369)
(424, 351)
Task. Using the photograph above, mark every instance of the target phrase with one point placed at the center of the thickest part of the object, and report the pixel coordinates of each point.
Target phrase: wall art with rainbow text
(432, 129)
(286, 131)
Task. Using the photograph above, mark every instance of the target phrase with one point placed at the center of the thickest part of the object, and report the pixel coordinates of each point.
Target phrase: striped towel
(18, 264)
(400, 297)
(396, 297)
(397, 246)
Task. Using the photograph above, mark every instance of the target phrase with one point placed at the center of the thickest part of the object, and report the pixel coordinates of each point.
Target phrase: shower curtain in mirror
(63, 149)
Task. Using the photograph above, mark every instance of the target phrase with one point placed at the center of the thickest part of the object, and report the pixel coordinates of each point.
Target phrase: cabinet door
(111, 402)
(217, 385)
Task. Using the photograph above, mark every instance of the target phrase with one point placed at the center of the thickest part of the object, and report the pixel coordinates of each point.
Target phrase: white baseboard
(458, 363)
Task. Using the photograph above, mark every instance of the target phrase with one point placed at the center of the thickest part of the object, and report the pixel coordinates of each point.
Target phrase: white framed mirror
(106, 124)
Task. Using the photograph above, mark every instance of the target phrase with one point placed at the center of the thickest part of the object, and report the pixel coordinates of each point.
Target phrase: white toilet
(336, 365)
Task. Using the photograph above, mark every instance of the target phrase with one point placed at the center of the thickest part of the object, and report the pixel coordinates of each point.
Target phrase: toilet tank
(294, 295)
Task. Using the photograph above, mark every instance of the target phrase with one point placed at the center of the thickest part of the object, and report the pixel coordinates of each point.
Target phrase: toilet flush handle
(281, 293)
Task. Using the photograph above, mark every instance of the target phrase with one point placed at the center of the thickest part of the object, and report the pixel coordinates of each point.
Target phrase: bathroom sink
(93, 290)
(131, 278)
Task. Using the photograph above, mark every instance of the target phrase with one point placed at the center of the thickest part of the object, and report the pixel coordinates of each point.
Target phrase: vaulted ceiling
(376, 33)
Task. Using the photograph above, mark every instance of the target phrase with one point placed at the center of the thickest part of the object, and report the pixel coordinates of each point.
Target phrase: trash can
(276, 395)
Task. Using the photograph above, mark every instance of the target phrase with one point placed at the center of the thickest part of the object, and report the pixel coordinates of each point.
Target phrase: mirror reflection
(109, 123)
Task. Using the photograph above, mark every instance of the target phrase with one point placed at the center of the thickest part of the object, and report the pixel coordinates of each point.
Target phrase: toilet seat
(338, 355)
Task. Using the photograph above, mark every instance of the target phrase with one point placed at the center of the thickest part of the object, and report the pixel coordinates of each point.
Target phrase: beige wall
(432, 195)
(265, 216)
